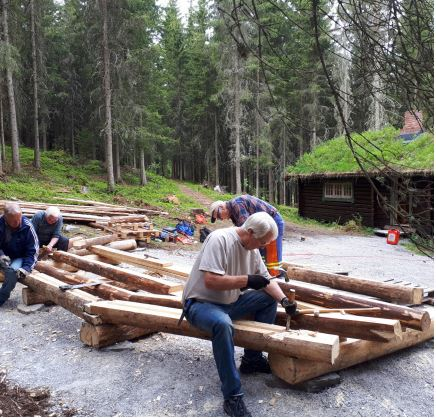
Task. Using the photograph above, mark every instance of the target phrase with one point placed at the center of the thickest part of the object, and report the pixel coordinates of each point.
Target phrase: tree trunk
(237, 126)
(16, 168)
(37, 155)
(257, 129)
(107, 98)
(117, 160)
(142, 170)
(2, 137)
(73, 145)
(44, 135)
(284, 165)
(217, 174)
(270, 185)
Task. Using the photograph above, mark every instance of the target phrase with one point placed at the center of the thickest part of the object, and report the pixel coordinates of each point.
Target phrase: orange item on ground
(393, 237)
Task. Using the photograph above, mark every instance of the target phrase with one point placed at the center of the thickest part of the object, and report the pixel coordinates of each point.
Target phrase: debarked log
(389, 292)
(352, 352)
(411, 318)
(254, 335)
(141, 281)
(85, 243)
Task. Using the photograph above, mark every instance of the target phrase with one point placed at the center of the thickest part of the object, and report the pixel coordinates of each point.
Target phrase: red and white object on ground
(393, 237)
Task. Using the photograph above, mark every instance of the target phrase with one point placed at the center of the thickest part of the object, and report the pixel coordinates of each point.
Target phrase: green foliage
(375, 150)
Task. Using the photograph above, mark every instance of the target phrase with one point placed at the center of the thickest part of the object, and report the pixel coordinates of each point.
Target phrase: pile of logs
(86, 211)
(121, 303)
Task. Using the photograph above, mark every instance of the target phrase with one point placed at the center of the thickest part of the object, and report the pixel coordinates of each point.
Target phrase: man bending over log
(48, 227)
(215, 295)
(18, 248)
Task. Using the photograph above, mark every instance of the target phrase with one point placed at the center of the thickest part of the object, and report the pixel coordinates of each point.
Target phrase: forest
(233, 94)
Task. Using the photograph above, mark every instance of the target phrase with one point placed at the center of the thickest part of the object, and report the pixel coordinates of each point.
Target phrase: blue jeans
(216, 319)
(10, 280)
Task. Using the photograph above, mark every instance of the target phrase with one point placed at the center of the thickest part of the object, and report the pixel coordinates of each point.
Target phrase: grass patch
(419, 246)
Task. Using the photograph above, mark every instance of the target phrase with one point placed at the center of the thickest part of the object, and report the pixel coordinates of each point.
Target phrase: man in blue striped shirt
(18, 248)
(238, 210)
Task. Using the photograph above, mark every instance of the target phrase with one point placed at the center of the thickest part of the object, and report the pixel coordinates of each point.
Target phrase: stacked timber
(88, 212)
(118, 303)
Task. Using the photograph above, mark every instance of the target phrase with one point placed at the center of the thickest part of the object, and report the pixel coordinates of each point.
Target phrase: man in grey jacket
(48, 227)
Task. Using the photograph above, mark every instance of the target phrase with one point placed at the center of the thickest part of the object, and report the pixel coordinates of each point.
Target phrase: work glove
(257, 281)
(290, 307)
(22, 273)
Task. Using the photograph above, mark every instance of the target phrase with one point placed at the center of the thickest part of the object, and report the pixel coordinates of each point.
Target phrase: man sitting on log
(48, 227)
(215, 295)
(18, 248)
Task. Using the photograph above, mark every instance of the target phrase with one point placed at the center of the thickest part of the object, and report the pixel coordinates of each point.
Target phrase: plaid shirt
(240, 208)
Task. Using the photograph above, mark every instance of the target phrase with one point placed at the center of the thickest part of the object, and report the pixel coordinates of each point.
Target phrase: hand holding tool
(22, 273)
(5, 261)
(66, 287)
(257, 281)
(290, 307)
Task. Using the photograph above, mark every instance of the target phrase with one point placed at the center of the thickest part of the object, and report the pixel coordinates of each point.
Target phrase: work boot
(235, 407)
(259, 365)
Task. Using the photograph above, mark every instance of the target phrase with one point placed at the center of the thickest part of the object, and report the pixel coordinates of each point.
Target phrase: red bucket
(393, 237)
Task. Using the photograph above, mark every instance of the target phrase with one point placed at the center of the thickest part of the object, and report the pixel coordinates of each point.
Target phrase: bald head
(13, 214)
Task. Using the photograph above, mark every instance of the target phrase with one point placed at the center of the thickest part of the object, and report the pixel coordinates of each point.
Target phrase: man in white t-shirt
(228, 263)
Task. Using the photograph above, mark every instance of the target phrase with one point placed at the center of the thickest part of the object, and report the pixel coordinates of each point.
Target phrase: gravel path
(165, 374)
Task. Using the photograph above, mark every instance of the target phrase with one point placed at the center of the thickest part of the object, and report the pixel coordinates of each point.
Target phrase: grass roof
(377, 150)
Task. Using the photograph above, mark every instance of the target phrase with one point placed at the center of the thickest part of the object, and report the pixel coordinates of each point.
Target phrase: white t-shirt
(223, 254)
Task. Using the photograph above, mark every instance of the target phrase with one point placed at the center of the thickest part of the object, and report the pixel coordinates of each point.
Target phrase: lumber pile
(118, 303)
(87, 211)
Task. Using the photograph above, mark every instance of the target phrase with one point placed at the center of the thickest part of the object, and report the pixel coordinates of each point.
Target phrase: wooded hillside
(232, 95)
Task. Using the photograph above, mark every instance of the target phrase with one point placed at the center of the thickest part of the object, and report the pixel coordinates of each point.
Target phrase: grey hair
(53, 211)
(12, 208)
(261, 224)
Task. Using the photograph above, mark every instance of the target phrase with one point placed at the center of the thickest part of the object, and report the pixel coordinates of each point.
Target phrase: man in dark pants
(48, 227)
(18, 248)
(228, 263)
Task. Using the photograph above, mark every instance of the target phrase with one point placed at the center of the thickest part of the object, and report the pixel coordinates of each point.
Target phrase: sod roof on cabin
(380, 152)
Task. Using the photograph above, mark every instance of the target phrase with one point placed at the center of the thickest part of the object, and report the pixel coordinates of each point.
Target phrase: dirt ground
(169, 375)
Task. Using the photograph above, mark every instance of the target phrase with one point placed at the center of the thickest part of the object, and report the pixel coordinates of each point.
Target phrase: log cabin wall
(313, 205)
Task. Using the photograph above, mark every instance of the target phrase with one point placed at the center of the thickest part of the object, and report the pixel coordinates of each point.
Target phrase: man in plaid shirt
(238, 210)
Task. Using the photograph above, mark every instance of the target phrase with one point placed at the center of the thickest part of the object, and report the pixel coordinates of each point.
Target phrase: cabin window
(338, 191)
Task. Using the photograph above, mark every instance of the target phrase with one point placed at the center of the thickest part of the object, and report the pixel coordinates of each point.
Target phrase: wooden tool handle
(291, 295)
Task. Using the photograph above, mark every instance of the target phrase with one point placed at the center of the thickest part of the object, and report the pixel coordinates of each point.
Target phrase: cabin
(397, 174)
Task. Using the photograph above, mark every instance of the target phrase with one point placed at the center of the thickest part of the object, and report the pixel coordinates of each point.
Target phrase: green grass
(64, 176)
(375, 149)
(419, 246)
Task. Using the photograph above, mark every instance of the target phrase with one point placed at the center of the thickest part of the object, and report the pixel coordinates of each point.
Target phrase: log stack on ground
(129, 305)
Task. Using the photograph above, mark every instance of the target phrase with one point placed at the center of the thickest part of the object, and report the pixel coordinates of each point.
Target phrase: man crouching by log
(214, 296)
(48, 227)
(18, 248)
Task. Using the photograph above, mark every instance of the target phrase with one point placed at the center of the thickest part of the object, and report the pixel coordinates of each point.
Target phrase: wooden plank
(126, 219)
(409, 317)
(352, 352)
(30, 297)
(386, 291)
(249, 334)
(141, 281)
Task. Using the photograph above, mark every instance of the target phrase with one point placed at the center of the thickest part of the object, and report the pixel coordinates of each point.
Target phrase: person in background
(18, 248)
(48, 227)
(214, 296)
(238, 210)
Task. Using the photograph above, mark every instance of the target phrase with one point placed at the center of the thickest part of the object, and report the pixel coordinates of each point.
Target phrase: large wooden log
(109, 291)
(352, 351)
(389, 292)
(249, 334)
(348, 326)
(408, 317)
(99, 336)
(30, 297)
(125, 244)
(48, 287)
(84, 243)
(164, 267)
(141, 281)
